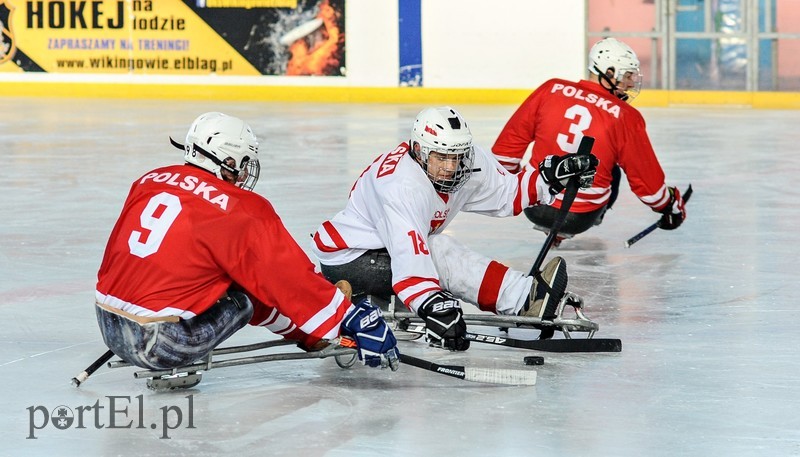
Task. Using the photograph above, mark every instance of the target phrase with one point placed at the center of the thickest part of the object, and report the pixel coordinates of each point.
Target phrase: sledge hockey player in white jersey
(388, 240)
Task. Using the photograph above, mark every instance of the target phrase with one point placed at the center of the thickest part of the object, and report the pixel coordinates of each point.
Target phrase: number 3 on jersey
(583, 119)
(157, 217)
(418, 242)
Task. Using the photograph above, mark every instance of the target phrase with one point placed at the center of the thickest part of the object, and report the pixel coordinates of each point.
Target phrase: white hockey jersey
(393, 205)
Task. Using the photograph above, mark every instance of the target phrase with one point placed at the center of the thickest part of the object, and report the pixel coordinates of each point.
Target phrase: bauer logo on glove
(444, 321)
(375, 342)
(557, 170)
(370, 318)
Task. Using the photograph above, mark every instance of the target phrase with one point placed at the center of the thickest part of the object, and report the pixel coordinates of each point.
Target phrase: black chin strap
(207, 155)
(614, 89)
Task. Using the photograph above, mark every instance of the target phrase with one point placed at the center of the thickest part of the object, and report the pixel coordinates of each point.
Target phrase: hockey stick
(585, 147)
(484, 375)
(77, 380)
(657, 224)
(549, 345)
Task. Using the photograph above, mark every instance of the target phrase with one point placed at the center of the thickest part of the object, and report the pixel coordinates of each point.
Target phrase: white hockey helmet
(610, 53)
(444, 131)
(217, 142)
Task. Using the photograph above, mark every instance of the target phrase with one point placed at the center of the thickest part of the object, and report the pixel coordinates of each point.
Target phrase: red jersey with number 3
(184, 237)
(559, 113)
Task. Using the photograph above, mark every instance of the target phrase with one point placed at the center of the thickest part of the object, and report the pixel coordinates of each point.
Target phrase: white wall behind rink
(475, 44)
(508, 44)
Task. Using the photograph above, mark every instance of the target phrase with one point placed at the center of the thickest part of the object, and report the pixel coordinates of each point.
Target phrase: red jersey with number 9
(184, 237)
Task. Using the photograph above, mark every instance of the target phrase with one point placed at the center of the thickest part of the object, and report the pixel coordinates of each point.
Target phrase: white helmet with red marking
(445, 132)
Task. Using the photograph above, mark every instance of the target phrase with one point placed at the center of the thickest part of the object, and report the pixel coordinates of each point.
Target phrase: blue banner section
(410, 43)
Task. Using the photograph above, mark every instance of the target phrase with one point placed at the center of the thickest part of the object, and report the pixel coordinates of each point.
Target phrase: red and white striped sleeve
(289, 296)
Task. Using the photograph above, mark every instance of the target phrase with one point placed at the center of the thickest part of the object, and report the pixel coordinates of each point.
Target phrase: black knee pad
(575, 223)
(238, 298)
(369, 274)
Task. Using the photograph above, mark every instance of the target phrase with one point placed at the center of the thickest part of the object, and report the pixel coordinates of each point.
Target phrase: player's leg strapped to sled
(165, 343)
(514, 298)
(176, 351)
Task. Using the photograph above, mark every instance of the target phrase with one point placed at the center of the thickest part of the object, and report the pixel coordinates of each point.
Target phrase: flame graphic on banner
(317, 51)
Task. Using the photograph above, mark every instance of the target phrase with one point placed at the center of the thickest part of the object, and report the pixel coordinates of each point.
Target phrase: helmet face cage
(444, 132)
(225, 146)
(611, 54)
(248, 177)
(463, 157)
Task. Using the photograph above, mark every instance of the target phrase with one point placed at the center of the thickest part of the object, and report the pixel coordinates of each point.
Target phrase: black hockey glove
(674, 213)
(557, 170)
(444, 322)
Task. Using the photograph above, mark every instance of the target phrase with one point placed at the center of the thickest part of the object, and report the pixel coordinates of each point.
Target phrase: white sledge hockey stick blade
(484, 375)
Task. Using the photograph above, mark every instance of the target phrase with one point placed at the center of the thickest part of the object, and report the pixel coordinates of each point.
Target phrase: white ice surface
(710, 361)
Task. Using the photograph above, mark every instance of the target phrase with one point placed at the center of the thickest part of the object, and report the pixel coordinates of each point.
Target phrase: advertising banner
(174, 37)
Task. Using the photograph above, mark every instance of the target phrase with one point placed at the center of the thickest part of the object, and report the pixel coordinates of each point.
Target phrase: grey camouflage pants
(164, 345)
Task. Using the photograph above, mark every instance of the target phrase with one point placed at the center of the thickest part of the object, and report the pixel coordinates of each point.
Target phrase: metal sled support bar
(204, 366)
(253, 347)
(566, 324)
(492, 319)
(227, 350)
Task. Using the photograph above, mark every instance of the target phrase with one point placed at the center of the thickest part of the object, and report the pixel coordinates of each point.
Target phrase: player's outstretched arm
(673, 214)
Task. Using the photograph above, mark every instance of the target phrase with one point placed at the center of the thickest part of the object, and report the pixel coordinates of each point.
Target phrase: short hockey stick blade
(686, 195)
(482, 375)
(81, 378)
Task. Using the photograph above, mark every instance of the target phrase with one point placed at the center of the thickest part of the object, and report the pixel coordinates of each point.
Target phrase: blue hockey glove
(375, 342)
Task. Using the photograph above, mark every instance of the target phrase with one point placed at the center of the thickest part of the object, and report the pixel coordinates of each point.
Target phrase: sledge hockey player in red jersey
(559, 113)
(388, 240)
(195, 256)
